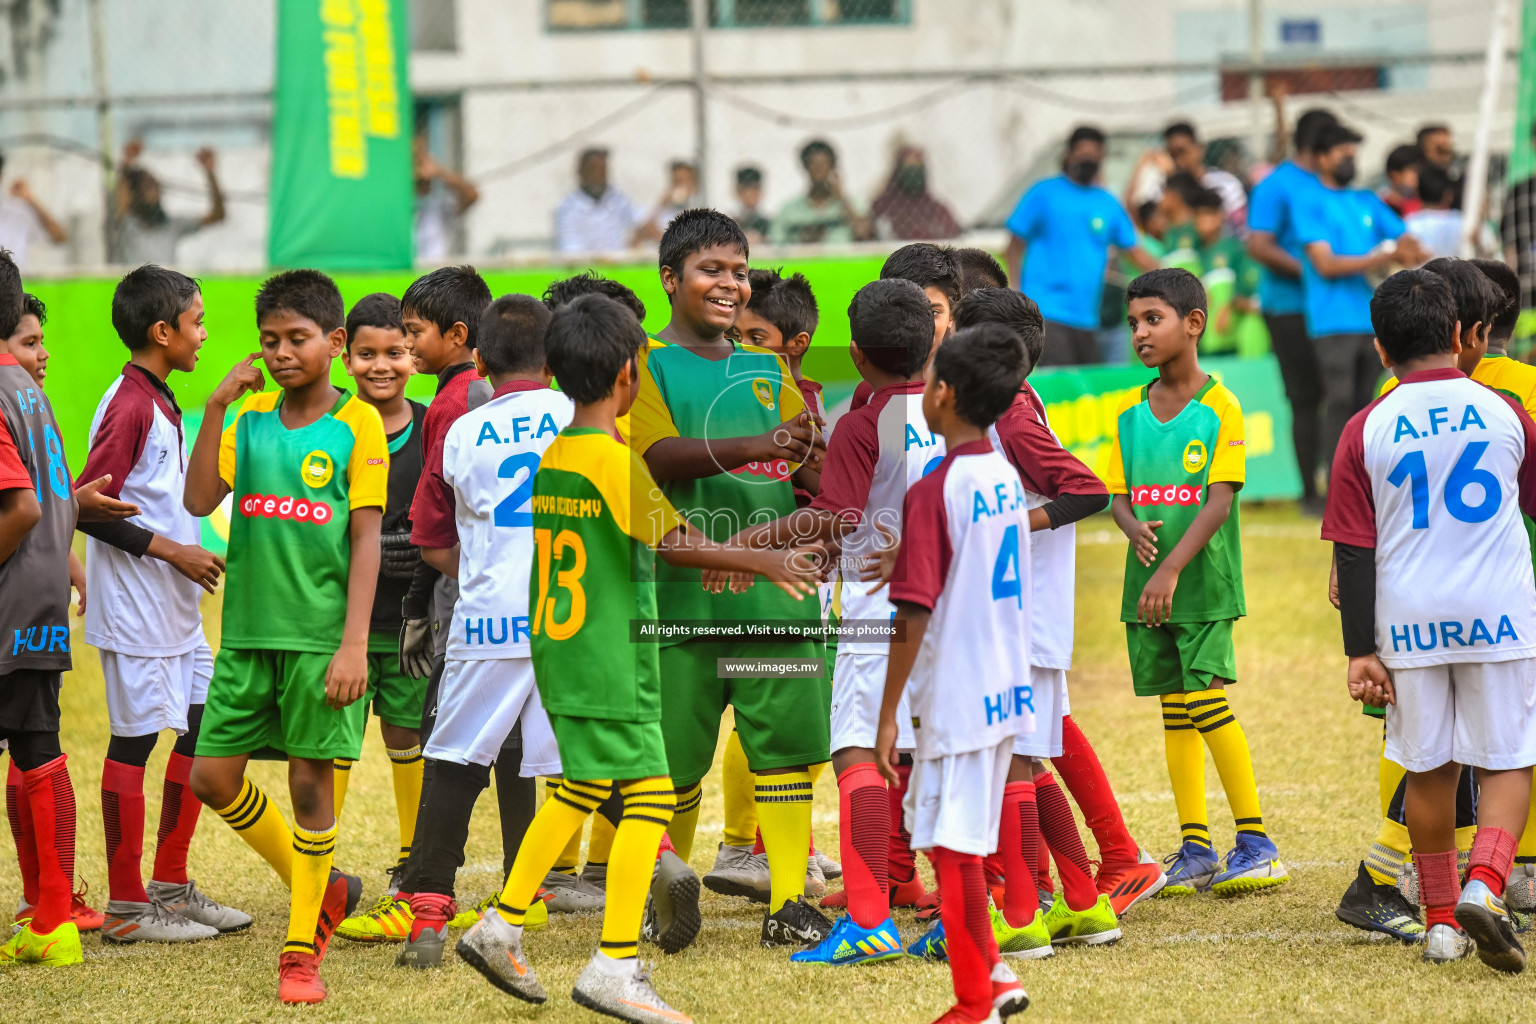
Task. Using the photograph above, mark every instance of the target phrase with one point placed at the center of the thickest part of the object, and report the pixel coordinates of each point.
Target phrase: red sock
(19, 811)
(1020, 819)
(1042, 860)
(1493, 853)
(666, 844)
(757, 844)
(122, 818)
(903, 865)
(53, 821)
(179, 810)
(1066, 843)
(1084, 776)
(967, 929)
(1439, 886)
(864, 814)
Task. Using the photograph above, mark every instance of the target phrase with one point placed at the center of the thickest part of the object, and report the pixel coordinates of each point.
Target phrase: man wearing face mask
(1343, 231)
(1061, 234)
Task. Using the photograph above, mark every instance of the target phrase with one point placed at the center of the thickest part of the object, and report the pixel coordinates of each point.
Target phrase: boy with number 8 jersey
(1439, 612)
(1175, 467)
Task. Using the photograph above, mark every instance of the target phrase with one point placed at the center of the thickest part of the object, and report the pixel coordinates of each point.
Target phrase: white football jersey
(489, 458)
(965, 555)
(1434, 476)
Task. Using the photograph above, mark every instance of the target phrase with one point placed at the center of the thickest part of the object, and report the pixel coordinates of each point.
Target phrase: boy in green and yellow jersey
(728, 454)
(598, 520)
(1175, 468)
(308, 467)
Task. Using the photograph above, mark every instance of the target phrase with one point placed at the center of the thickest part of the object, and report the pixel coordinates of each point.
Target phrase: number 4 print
(1004, 586)
(1411, 469)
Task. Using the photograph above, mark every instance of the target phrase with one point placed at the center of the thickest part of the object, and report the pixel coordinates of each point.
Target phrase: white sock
(613, 968)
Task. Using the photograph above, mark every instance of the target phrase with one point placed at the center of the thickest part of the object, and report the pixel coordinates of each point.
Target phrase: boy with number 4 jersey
(1175, 467)
(961, 586)
(1439, 611)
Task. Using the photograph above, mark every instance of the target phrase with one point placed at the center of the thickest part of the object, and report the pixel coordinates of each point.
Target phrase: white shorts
(1477, 713)
(858, 689)
(478, 702)
(1049, 698)
(145, 695)
(956, 801)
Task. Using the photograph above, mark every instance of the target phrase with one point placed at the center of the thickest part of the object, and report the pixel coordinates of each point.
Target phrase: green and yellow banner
(341, 195)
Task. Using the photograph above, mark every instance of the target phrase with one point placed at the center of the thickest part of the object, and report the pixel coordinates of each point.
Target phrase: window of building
(579, 15)
(434, 27)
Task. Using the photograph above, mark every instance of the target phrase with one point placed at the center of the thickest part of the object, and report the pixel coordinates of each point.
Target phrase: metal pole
(1476, 180)
(700, 11)
(99, 85)
(1256, 80)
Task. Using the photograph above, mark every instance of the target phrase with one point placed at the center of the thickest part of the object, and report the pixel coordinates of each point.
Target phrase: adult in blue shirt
(1061, 233)
(1272, 242)
(1341, 230)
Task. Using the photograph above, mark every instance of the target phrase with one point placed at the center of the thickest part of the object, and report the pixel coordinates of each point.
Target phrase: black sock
(448, 800)
(517, 798)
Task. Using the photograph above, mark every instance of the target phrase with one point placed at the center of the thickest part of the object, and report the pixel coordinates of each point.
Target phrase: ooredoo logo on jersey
(1172, 494)
(277, 506)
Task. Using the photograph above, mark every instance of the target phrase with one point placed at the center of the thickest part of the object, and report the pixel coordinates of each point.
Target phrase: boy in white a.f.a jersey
(476, 525)
(1438, 604)
(962, 589)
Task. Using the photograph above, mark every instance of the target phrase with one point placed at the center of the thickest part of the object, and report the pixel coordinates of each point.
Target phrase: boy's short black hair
(1308, 125)
(1434, 128)
(1403, 157)
(1186, 185)
(380, 309)
(1178, 128)
(448, 296)
(1009, 308)
(590, 282)
(1477, 298)
(748, 175)
(1507, 281)
(1179, 288)
(985, 365)
(978, 269)
(31, 305)
(1435, 186)
(309, 293)
(815, 146)
(694, 231)
(1413, 314)
(1334, 134)
(1207, 199)
(1084, 133)
(512, 334)
(143, 298)
(892, 323)
(10, 294)
(588, 342)
(786, 302)
(927, 266)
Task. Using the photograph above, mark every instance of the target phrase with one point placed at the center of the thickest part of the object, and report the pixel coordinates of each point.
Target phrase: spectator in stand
(23, 218)
(682, 193)
(749, 192)
(1061, 234)
(1517, 233)
(1434, 142)
(1401, 192)
(824, 213)
(595, 217)
(906, 211)
(438, 208)
(1188, 155)
(145, 232)
(1438, 226)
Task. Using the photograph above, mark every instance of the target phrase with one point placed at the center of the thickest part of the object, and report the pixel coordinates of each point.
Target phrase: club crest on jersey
(763, 392)
(1194, 456)
(317, 469)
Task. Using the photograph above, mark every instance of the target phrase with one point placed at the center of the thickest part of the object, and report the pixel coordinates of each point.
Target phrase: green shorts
(396, 698)
(781, 722)
(1179, 657)
(605, 748)
(272, 704)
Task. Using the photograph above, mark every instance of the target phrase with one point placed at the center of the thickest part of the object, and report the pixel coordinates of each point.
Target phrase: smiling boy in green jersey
(740, 434)
(1175, 467)
(308, 468)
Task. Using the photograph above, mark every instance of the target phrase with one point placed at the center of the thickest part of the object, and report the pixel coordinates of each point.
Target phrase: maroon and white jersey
(1023, 435)
(141, 606)
(1434, 476)
(965, 556)
(879, 451)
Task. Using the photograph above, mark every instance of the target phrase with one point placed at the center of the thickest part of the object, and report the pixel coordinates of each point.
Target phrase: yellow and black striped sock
(570, 857)
(784, 815)
(648, 808)
(685, 820)
(600, 844)
(406, 767)
(1186, 770)
(1526, 852)
(571, 803)
(1388, 853)
(340, 776)
(736, 784)
(1212, 715)
(312, 856)
(258, 821)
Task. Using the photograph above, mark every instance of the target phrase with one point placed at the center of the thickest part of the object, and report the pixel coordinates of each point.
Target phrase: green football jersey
(290, 545)
(1165, 469)
(597, 516)
(748, 393)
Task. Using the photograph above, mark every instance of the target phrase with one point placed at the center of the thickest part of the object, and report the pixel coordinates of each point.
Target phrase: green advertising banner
(341, 195)
(1522, 158)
